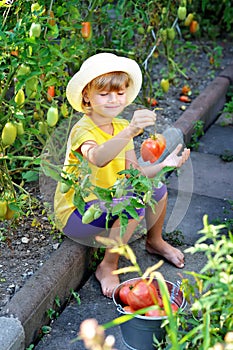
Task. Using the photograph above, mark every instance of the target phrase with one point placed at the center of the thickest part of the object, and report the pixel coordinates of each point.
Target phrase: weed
(227, 156)
(76, 296)
(198, 132)
(32, 346)
(228, 108)
(97, 258)
(175, 237)
(52, 314)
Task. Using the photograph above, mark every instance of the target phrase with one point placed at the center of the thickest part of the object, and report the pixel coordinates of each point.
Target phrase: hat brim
(100, 64)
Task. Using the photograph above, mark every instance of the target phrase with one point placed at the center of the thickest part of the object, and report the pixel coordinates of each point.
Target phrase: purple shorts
(75, 229)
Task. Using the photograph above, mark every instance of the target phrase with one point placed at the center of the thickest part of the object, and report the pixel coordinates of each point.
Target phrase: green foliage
(212, 307)
(138, 186)
(76, 296)
(209, 294)
(198, 132)
(175, 238)
(40, 50)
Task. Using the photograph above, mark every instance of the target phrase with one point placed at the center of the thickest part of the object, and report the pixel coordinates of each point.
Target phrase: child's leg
(155, 244)
(109, 263)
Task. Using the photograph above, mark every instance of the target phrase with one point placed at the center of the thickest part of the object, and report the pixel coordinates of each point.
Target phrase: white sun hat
(97, 65)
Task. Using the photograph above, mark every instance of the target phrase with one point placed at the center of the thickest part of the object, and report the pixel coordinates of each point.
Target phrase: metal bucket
(138, 333)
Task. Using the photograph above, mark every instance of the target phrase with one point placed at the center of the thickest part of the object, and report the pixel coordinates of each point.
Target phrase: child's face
(107, 103)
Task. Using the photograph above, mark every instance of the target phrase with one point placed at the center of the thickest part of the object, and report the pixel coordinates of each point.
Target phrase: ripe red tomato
(153, 147)
(174, 307)
(186, 90)
(123, 293)
(156, 313)
(152, 101)
(184, 98)
(194, 27)
(129, 309)
(142, 295)
(86, 30)
(50, 93)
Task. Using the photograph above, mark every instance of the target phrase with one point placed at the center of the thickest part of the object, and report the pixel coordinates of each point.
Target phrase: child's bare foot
(173, 255)
(107, 280)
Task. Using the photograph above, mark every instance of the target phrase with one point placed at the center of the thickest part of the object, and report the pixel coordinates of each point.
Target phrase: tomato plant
(143, 295)
(153, 148)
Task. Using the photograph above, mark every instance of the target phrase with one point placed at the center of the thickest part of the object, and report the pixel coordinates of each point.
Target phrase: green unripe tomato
(88, 216)
(147, 197)
(163, 35)
(23, 70)
(52, 116)
(97, 214)
(35, 7)
(9, 134)
(42, 126)
(3, 208)
(35, 30)
(165, 85)
(64, 187)
(20, 128)
(171, 33)
(64, 110)
(182, 12)
(31, 86)
(141, 30)
(20, 97)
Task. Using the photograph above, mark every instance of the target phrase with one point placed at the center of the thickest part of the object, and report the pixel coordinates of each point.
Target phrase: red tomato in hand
(153, 147)
(123, 293)
(142, 295)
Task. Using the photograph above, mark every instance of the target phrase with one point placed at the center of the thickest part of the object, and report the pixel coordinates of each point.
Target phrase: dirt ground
(28, 243)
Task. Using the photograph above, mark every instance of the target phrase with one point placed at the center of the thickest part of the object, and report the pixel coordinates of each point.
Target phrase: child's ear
(86, 98)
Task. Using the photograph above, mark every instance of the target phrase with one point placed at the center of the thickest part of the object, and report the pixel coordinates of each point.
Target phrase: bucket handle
(120, 308)
(175, 290)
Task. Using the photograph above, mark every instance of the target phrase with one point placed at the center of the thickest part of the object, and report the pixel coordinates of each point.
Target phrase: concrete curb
(12, 335)
(207, 105)
(67, 267)
(65, 270)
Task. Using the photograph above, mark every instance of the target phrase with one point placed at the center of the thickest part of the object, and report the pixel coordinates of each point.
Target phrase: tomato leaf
(132, 212)
(79, 203)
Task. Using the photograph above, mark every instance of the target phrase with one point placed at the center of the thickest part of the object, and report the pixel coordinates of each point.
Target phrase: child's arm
(101, 155)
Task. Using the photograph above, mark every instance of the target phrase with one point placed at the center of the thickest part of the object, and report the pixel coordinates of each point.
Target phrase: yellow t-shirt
(84, 130)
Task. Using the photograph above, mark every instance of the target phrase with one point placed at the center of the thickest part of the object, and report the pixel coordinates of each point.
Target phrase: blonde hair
(113, 81)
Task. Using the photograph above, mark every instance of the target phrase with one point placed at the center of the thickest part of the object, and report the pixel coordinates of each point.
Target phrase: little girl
(101, 89)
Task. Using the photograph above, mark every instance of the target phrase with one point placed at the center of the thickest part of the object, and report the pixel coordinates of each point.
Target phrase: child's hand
(174, 160)
(141, 119)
